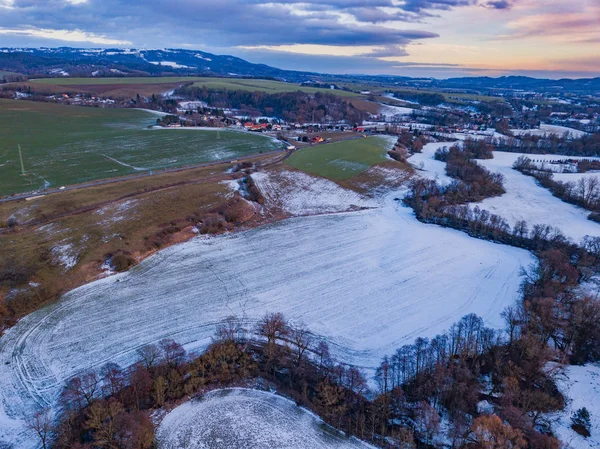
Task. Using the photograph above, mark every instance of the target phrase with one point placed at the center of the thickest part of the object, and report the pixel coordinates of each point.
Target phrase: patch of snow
(65, 254)
(61, 72)
(171, 64)
(247, 419)
(391, 111)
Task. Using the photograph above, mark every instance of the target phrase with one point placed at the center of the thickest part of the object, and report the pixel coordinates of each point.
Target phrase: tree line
(299, 107)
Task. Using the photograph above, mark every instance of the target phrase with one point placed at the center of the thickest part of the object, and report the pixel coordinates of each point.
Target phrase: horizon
(417, 38)
(547, 76)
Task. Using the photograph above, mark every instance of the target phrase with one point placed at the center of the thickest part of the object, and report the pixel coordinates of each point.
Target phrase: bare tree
(173, 352)
(230, 329)
(113, 379)
(149, 355)
(301, 338)
(41, 424)
(272, 326)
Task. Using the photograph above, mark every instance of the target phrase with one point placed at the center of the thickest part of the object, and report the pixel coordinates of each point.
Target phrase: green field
(341, 160)
(64, 145)
(272, 87)
(211, 83)
(67, 81)
(450, 96)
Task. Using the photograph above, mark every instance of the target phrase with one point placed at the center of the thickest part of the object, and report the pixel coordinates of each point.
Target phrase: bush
(121, 261)
(581, 422)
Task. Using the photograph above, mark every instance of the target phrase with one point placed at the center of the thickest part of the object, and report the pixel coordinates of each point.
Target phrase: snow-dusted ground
(248, 419)
(391, 111)
(525, 200)
(574, 177)
(428, 166)
(367, 282)
(549, 129)
(581, 387)
(300, 194)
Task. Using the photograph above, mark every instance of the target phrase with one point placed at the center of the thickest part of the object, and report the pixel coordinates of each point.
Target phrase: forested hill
(66, 61)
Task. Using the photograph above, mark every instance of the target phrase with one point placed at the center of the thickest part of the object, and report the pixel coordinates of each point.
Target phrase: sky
(419, 38)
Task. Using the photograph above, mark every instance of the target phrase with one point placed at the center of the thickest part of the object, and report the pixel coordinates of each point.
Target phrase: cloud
(499, 4)
(64, 35)
(579, 24)
(420, 5)
(230, 22)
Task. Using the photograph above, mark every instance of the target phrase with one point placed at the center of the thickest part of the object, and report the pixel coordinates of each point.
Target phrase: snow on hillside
(171, 64)
(525, 200)
(391, 111)
(581, 387)
(366, 282)
(241, 418)
(300, 194)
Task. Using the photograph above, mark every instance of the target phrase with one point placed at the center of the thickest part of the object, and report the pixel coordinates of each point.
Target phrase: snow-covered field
(549, 129)
(299, 194)
(574, 177)
(426, 164)
(391, 111)
(525, 200)
(248, 419)
(581, 386)
(366, 281)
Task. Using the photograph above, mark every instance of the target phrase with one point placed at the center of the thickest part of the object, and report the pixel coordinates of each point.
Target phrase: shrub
(581, 422)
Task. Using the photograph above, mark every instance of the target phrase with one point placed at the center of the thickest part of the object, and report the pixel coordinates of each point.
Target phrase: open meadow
(342, 160)
(119, 86)
(69, 144)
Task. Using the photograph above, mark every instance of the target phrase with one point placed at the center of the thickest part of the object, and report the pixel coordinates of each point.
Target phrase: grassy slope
(69, 144)
(341, 160)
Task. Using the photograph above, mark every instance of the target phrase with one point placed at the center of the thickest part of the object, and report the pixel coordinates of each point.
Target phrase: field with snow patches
(581, 387)
(248, 419)
(366, 282)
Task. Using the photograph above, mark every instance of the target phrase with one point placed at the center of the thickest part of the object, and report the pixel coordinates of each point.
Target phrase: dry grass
(84, 227)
